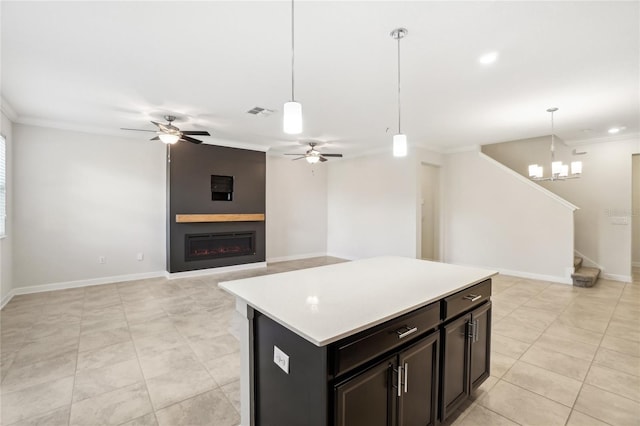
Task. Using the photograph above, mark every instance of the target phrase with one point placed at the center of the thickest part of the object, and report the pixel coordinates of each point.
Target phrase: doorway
(635, 216)
(430, 211)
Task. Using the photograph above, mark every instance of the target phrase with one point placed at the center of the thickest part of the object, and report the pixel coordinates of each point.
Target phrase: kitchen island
(387, 340)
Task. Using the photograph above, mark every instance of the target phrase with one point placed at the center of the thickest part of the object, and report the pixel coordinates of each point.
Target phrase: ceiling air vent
(260, 111)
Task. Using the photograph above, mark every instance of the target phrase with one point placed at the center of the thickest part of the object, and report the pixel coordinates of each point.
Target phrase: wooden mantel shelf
(194, 218)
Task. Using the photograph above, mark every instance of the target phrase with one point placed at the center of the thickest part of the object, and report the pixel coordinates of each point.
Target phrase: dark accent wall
(189, 170)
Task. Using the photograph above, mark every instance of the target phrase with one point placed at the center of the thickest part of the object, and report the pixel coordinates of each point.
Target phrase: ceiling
(100, 66)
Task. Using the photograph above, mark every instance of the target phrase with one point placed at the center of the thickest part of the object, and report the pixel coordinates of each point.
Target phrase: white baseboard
(212, 271)
(532, 276)
(295, 257)
(586, 261)
(617, 277)
(342, 256)
(6, 299)
(86, 283)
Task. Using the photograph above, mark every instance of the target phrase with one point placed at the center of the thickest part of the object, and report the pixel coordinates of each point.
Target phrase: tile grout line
(135, 350)
(591, 364)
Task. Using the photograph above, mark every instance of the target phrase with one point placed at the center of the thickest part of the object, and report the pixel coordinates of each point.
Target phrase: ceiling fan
(313, 155)
(170, 134)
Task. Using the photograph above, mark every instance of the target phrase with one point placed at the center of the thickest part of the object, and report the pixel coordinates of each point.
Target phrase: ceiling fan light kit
(559, 171)
(169, 138)
(292, 111)
(400, 139)
(313, 155)
(170, 134)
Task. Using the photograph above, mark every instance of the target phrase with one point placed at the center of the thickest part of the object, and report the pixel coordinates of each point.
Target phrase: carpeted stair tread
(577, 263)
(585, 277)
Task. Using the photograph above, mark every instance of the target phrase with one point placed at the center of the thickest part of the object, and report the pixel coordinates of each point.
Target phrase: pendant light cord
(399, 114)
(293, 98)
(553, 141)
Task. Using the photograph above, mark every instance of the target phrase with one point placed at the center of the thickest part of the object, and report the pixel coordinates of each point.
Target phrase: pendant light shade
(292, 123)
(400, 145)
(292, 111)
(399, 139)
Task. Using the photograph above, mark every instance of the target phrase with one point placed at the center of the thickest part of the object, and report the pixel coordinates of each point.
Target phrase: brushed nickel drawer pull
(407, 331)
(473, 297)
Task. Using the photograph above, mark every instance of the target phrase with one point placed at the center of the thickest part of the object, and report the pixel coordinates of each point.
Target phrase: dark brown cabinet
(465, 356)
(399, 391)
(413, 370)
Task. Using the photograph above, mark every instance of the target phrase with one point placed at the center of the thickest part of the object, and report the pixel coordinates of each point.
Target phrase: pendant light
(559, 171)
(292, 121)
(400, 139)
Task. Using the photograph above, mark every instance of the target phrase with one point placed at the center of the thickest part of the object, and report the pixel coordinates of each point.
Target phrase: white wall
(496, 219)
(296, 207)
(6, 244)
(636, 211)
(603, 192)
(78, 196)
(372, 206)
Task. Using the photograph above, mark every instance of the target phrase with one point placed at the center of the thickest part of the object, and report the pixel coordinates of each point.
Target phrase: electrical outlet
(281, 359)
(102, 259)
(140, 257)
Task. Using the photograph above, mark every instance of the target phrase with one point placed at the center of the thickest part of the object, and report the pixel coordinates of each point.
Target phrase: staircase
(584, 276)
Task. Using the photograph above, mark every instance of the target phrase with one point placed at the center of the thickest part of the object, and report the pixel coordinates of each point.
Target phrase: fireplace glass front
(213, 246)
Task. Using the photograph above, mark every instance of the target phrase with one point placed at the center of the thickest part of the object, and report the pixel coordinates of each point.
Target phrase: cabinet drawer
(466, 299)
(369, 344)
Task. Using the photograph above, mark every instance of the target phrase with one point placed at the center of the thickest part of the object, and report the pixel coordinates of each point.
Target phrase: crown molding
(7, 110)
(95, 130)
(236, 144)
(466, 148)
(605, 139)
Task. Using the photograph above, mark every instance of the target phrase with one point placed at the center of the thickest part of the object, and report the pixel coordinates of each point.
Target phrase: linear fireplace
(217, 245)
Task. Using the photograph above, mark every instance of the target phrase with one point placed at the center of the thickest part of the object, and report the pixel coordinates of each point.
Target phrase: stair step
(585, 277)
(577, 263)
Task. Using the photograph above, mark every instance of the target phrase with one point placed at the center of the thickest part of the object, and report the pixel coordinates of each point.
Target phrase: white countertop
(328, 303)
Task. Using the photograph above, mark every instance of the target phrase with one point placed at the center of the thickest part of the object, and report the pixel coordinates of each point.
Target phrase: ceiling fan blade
(190, 139)
(155, 139)
(293, 154)
(332, 155)
(138, 130)
(299, 158)
(322, 159)
(195, 132)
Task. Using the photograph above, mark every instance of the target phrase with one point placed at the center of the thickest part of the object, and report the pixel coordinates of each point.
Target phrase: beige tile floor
(158, 352)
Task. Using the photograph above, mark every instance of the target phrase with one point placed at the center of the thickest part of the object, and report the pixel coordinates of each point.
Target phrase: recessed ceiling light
(488, 58)
(614, 130)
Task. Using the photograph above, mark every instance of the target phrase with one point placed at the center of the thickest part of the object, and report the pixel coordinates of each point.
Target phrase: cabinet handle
(470, 329)
(473, 297)
(406, 377)
(407, 331)
(476, 325)
(399, 380)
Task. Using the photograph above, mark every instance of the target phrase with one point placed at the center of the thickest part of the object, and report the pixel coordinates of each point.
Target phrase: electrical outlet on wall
(102, 259)
(281, 359)
(140, 257)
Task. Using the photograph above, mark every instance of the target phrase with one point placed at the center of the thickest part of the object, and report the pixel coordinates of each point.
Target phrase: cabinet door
(455, 364)
(419, 366)
(367, 399)
(480, 345)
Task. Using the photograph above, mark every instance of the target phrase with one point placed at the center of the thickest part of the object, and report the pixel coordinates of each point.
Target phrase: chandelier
(559, 171)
